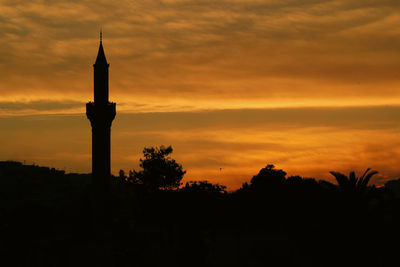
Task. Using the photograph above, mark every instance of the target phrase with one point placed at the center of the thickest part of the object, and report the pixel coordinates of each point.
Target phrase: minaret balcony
(100, 114)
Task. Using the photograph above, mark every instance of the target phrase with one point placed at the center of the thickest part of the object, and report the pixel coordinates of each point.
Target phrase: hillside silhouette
(272, 220)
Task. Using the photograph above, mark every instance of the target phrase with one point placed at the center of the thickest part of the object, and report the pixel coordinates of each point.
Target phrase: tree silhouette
(353, 184)
(160, 171)
(268, 177)
(204, 187)
(121, 175)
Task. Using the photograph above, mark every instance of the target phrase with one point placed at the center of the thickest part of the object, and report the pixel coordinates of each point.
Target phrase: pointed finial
(101, 35)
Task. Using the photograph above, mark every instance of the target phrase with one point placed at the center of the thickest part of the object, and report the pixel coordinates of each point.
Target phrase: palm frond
(353, 183)
(341, 179)
(360, 181)
(365, 173)
(352, 178)
(365, 181)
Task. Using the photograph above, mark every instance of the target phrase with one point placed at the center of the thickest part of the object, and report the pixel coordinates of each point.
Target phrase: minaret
(101, 113)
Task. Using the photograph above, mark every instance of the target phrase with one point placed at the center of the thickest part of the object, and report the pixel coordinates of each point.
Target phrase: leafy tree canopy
(268, 177)
(159, 170)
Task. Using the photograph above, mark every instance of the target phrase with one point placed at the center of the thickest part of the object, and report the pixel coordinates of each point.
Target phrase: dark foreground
(47, 220)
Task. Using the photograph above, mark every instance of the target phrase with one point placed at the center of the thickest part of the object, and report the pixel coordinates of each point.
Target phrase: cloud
(365, 118)
(221, 51)
(8, 107)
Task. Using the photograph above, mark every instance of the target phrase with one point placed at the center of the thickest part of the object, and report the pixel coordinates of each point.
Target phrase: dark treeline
(272, 220)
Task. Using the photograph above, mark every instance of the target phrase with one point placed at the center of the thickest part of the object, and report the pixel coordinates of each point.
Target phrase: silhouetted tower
(101, 113)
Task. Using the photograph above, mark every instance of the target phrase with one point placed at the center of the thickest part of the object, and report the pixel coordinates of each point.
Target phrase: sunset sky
(310, 86)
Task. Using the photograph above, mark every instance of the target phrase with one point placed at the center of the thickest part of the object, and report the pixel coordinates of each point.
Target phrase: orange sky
(310, 86)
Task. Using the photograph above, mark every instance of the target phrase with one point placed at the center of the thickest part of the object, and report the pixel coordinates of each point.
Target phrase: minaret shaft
(101, 159)
(101, 114)
(100, 78)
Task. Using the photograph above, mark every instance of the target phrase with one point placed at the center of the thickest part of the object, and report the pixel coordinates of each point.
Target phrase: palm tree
(353, 184)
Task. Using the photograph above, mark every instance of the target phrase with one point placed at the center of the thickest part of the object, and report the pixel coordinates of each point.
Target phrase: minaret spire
(101, 57)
